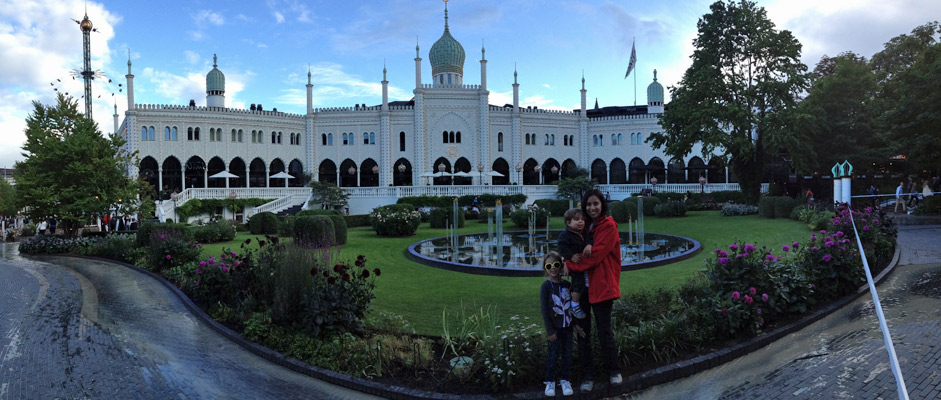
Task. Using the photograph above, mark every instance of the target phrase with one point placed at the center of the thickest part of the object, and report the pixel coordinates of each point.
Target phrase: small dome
(86, 24)
(215, 79)
(655, 90)
(447, 54)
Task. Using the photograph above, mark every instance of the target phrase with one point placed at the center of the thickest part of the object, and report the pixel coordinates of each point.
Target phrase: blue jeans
(563, 345)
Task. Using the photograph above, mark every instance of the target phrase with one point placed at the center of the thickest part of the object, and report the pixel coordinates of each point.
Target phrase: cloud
(204, 16)
(280, 8)
(192, 57)
(545, 85)
(333, 86)
(390, 27)
(278, 17)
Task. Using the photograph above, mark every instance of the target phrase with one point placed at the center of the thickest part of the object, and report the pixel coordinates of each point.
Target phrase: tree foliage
(70, 171)
(8, 202)
(326, 192)
(739, 93)
(575, 188)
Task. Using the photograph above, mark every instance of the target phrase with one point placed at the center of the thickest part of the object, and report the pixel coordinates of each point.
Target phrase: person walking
(603, 270)
(898, 198)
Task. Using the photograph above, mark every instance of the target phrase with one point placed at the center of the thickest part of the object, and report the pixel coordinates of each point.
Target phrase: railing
(272, 206)
(629, 189)
(538, 191)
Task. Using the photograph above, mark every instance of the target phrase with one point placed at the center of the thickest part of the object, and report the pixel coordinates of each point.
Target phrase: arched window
(279, 137)
(451, 137)
(402, 141)
(323, 139)
(189, 133)
(143, 133)
(594, 140)
(330, 139)
(499, 141)
(444, 137)
(274, 137)
(365, 137)
(459, 136)
(547, 140)
(620, 139)
(233, 136)
(150, 134)
(552, 140)
(345, 139)
(166, 133)
(527, 139)
(173, 134)
(372, 137)
(240, 136)
(212, 135)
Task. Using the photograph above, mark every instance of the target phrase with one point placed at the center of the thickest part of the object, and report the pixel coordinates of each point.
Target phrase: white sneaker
(587, 386)
(550, 389)
(616, 379)
(566, 388)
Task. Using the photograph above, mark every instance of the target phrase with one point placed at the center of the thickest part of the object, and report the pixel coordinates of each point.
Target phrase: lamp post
(441, 167)
(538, 175)
(480, 173)
(401, 173)
(519, 170)
(702, 184)
(375, 171)
(352, 172)
(653, 183)
(555, 172)
(175, 196)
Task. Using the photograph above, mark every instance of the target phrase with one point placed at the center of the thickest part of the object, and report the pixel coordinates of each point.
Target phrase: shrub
(783, 206)
(394, 220)
(766, 207)
(649, 203)
(442, 217)
(342, 297)
(556, 207)
(286, 226)
(670, 209)
(307, 213)
(931, 205)
(314, 230)
(339, 228)
(28, 230)
(820, 220)
(832, 263)
(144, 232)
(45, 244)
(263, 223)
(486, 200)
(219, 231)
(622, 211)
(725, 196)
(115, 246)
(169, 248)
(731, 209)
(355, 221)
(520, 217)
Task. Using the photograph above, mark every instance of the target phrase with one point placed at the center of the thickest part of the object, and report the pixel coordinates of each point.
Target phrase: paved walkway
(76, 329)
(842, 356)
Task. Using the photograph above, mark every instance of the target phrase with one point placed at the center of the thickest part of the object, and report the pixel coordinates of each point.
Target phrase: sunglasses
(555, 265)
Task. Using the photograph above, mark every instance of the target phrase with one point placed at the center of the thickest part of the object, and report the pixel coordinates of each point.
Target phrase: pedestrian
(898, 198)
(603, 273)
(554, 298)
(875, 195)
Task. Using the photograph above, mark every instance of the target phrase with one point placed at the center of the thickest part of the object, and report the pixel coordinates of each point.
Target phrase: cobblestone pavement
(843, 356)
(81, 329)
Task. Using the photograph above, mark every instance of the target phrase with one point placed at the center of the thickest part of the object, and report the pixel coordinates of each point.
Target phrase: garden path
(842, 356)
(78, 328)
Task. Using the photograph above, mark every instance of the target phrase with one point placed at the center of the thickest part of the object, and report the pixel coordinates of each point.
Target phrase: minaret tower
(87, 73)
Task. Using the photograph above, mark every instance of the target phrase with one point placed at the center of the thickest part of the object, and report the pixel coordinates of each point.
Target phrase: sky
(266, 47)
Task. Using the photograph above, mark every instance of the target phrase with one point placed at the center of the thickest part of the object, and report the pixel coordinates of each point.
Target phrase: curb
(631, 383)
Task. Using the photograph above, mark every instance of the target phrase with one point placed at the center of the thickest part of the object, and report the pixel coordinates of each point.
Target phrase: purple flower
(202, 263)
(875, 221)
(815, 248)
(199, 271)
(769, 257)
(224, 268)
(748, 299)
(764, 297)
(830, 243)
(866, 227)
(718, 250)
(786, 248)
(725, 311)
(753, 291)
(733, 246)
(739, 255)
(162, 236)
(168, 256)
(197, 283)
(723, 260)
(796, 245)
(723, 253)
(758, 311)
(827, 258)
(750, 248)
(823, 232)
(234, 254)
(736, 295)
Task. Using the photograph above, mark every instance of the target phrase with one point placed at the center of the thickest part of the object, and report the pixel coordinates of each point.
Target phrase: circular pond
(521, 253)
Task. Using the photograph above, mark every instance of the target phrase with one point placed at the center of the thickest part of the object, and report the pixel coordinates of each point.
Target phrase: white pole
(847, 182)
(837, 190)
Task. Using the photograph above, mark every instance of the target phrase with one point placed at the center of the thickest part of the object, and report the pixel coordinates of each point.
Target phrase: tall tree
(739, 93)
(8, 203)
(910, 71)
(838, 115)
(71, 172)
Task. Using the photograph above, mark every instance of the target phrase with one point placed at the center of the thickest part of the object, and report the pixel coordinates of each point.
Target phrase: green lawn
(420, 293)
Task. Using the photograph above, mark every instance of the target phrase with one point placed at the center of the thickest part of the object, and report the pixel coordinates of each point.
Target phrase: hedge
(441, 217)
(649, 204)
(670, 209)
(776, 206)
(339, 228)
(556, 208)
(143, 234)
(307, 213)
(356, 221)
(286, 226)
(521, 218)
(263, 223)
(315, 230)
(219, 231)
(486, 200)
(623, 211)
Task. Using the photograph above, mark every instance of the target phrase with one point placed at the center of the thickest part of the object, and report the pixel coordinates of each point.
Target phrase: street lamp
(175, 196)
(375, 171)
(702, 184)
(538, 175)
(480, 173)
(352, 172)
(519, 168)
(653, 182)
(555, 172)
(401, 173)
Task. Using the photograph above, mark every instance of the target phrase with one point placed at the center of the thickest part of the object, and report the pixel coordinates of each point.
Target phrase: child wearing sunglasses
(555, 298)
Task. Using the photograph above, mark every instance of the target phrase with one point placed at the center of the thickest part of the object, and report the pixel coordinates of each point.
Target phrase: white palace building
(379, 153)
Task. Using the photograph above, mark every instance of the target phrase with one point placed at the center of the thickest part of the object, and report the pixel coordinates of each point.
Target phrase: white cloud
(204, 16)
(334, 87)
(297, 9)
(192, 57)
(278, 17)
(545, 85)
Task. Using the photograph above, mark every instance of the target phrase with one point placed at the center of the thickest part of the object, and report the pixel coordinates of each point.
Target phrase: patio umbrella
(494, 173)
(463, 174)
(427, 175)
(223, 174)
(282, 175)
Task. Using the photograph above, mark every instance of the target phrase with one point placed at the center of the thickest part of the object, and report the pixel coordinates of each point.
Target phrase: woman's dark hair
(604, 204)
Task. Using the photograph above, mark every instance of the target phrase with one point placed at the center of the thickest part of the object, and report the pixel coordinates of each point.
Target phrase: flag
(630, 66)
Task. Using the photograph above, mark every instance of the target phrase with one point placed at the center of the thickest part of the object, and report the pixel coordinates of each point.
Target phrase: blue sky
(265, 48)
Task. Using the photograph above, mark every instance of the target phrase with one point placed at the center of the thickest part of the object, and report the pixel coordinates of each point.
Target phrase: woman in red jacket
(603, 278)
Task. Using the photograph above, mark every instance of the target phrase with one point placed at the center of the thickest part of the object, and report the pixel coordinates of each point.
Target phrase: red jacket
(604, 265)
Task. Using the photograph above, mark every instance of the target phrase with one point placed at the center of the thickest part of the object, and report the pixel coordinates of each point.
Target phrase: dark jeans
(609, 349)
(563, 345)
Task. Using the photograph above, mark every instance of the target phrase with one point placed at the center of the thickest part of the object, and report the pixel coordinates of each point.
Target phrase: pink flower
(748, 299)
(764, 297)
(168, 256)
(224, 268)
(866, 227)
(725, 311)
(753, 291)
(723, 253)
(736, 295)
(769, 257)
(723, 261)
(830, 243)
(202, 263)
(234, 254)
(827, 257)
(162, 236)
(758, 311)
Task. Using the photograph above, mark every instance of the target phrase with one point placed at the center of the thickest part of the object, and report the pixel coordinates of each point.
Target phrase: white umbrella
(463, 174)
(440, 174)
(494, 173)
(283, 175)
(427, 175)
(223, 174)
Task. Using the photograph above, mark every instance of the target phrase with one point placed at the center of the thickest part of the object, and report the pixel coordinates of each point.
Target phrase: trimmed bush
(783, 206)
(355, 221)
(263, 223)
(219, 231)
(307, 213)
(670, 209)
(486, 200)
(339, 228)
(556, 207)
(623, 211)
(314, 230)
(766, 207)
(649, 204)
(730, 210)
(286, 226)
(441, 217)
(725, 196)
(395, 220)
(521, 217)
